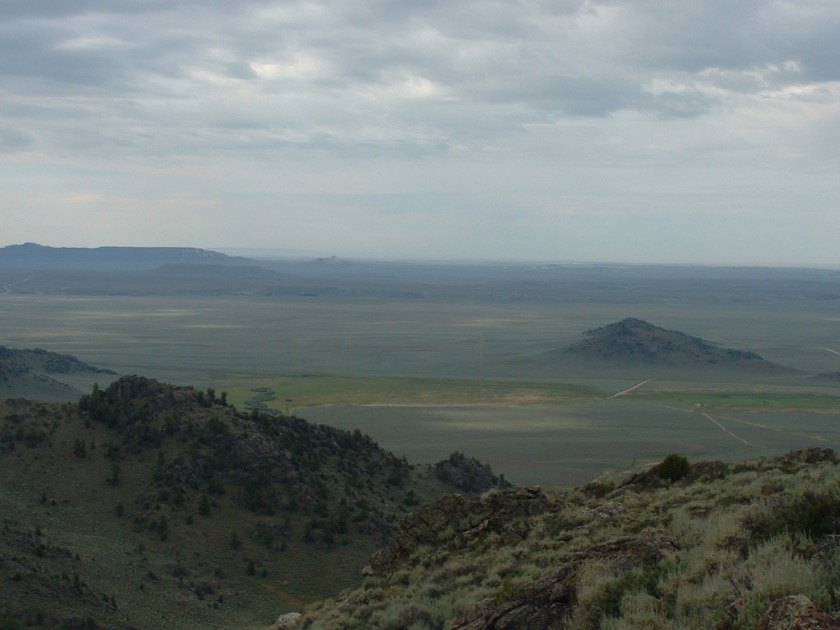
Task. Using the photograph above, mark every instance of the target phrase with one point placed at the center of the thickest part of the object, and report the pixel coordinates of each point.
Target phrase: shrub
(79, 448)
(673, 468)
(814, 514)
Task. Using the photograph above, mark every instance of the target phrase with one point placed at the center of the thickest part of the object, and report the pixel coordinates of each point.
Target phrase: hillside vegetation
(147, 505)
(680, 546)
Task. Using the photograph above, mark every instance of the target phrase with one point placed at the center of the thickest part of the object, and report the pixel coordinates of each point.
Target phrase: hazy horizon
(577, 130)
(296, 255)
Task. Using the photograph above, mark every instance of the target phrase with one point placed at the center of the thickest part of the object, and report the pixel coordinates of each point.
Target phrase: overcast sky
(637, 131)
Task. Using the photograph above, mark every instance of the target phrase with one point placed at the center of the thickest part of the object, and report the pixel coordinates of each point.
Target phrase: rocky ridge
(749, 546)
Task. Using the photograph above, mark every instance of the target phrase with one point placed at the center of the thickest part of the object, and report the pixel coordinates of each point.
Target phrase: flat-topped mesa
(35, 256)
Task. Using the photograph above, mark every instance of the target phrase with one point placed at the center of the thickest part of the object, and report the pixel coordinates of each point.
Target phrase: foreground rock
(499, 514)
(550, 602)
(287, 620)
(796, 612)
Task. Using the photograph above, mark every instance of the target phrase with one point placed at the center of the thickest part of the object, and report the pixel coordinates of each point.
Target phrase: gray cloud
(14, 140)
(469, 104)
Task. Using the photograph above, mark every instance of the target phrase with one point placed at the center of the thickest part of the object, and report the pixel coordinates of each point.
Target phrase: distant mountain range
(33, 269)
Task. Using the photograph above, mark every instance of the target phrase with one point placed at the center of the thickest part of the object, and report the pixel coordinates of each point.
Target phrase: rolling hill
(634, 341)
(44, 375)
(147, 505)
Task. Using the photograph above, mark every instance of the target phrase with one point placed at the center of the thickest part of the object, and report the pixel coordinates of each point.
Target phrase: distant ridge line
(36, 256)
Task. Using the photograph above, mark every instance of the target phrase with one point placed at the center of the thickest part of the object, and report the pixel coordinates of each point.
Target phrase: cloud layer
(682, 131)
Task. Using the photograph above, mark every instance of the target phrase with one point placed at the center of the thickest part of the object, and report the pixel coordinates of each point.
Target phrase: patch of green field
(286, 393)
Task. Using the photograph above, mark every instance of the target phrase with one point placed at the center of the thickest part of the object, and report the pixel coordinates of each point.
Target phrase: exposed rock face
(452, 518)
(796, 612)
(546, 604)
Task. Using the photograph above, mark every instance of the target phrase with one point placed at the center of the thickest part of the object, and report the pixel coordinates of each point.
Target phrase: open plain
(480, 368)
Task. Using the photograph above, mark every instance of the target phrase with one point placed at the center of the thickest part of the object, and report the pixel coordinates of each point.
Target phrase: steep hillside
(153, 506)
(710, 545)
(634, 341)
(44, 375)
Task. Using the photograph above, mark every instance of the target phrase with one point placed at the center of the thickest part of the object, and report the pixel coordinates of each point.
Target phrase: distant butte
(635, 341)
(332, 260)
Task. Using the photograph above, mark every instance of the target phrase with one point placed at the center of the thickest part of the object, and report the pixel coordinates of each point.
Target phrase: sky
(649, 131)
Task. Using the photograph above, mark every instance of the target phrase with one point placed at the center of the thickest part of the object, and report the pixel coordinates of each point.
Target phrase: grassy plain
(427, 377)
(288, 393)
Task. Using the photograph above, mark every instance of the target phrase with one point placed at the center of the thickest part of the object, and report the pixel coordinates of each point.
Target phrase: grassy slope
(143, 572)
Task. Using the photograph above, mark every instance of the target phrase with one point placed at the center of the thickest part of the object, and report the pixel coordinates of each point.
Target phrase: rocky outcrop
(455, 520)
(549, 603)
(286, 620)
(796, 612)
